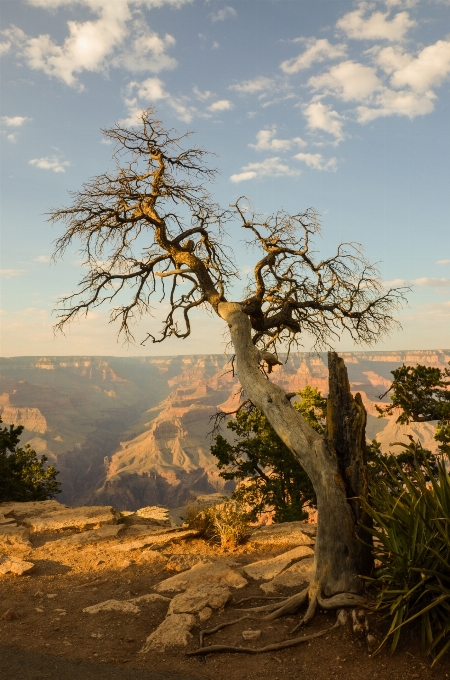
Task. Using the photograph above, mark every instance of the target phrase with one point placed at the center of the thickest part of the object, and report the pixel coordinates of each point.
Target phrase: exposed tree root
(268, 648)
(257, 597)
(224, 625)
(290, 606)
(342, 600)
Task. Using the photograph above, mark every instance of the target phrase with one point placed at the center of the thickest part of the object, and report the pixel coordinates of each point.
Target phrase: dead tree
(151, 227)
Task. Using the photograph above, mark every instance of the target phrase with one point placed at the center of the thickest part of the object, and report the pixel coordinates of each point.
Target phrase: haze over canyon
(133, 432)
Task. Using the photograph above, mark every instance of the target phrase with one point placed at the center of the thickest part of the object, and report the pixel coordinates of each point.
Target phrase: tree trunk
(334, 463)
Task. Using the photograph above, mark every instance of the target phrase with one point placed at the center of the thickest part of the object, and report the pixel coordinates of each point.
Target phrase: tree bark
(338, 555)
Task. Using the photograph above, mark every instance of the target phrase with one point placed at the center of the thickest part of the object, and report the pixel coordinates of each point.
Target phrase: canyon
(134, 432)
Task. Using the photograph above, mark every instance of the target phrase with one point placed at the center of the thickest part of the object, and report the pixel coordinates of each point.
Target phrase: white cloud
(259, 84)
(42, 258)
(266, 141)
(430, 282)
(113, 38)
(140, 95)
(317, 50)
(147, 52)
(5, 47)
(348, 80)
(50, 163)
(377, 26)
(317, 161)
(202, 96)
(14, 121)
(273, 167)
(151, 89)
(220, 105)
(320, 116)
(11, 138)
(222, 14)
(429, 69)
(443, 262)
(10, 273)
(392, 103)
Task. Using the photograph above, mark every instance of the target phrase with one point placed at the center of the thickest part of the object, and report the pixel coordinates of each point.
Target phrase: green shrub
(23, 477)
(412, 545)
(227, 521)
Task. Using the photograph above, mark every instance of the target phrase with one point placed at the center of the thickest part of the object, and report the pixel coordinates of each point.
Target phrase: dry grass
(227, 521)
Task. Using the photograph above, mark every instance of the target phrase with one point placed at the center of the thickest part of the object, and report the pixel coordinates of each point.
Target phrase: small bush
(411, 514)
(227, 521)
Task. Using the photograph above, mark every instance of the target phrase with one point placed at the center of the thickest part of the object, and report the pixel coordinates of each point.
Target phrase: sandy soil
(42, 614)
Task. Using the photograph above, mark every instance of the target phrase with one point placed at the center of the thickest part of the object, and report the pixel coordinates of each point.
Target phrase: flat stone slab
(287, 533)
(87, 517)
(268, 569)
(14, 538)
(149, 599)
(113, 606)
(299, 574)
(20, 511)
(174, 631)
(193, 600)
(154, 540)
(105, 533)
(204, 572)
(14, 566)
(181, 563)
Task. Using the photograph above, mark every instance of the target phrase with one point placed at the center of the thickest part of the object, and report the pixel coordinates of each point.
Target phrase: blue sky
(339, 105)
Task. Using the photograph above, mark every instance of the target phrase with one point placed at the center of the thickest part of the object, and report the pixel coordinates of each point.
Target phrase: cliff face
(135, 431)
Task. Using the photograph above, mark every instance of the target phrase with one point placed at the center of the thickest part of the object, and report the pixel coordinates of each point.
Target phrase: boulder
(174, 631)
(193, 600)
(287, 533)
(14, 566)
(14, 538)
(297, 575)
(181, 563)
(113, 606)
(268, 569)
(77, 519)
(204, 572)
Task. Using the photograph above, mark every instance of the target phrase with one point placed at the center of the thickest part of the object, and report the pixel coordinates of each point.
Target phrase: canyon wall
(136, 431)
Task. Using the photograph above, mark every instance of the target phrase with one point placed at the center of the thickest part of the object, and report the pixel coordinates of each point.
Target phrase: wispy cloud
(42, 258)
(220, 105)
(50, 163)
(252, 86)
(443, 262)
(273, 167)
(424, 281)
(14, 121)
(266, 141)
(10, 273)
(223, 14)
(317, 161)
(316, 51)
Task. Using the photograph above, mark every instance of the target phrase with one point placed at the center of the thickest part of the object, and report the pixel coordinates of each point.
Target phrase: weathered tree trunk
(335, 464)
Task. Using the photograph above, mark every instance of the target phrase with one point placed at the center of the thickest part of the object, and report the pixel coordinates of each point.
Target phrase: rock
(21, 511)
(193, 600)
(174, 631)
(287, 533)
(205, 614)
(155, 513)
(14, 538)
(300, 573)
(204, 572)
(372, 643)
(251, 634)
(148, 599)
(6, 520)
(268, 569)
(113, 606)
(88, 517)
(104, 533)
(156, 540)
(9, 615)
(52, 595)
(14, 566)
(181, 563)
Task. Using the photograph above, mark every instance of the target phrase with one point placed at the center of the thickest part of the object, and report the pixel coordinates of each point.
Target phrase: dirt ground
(41, 614)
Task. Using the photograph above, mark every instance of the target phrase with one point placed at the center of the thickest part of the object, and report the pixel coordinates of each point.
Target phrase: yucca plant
(411, 519)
